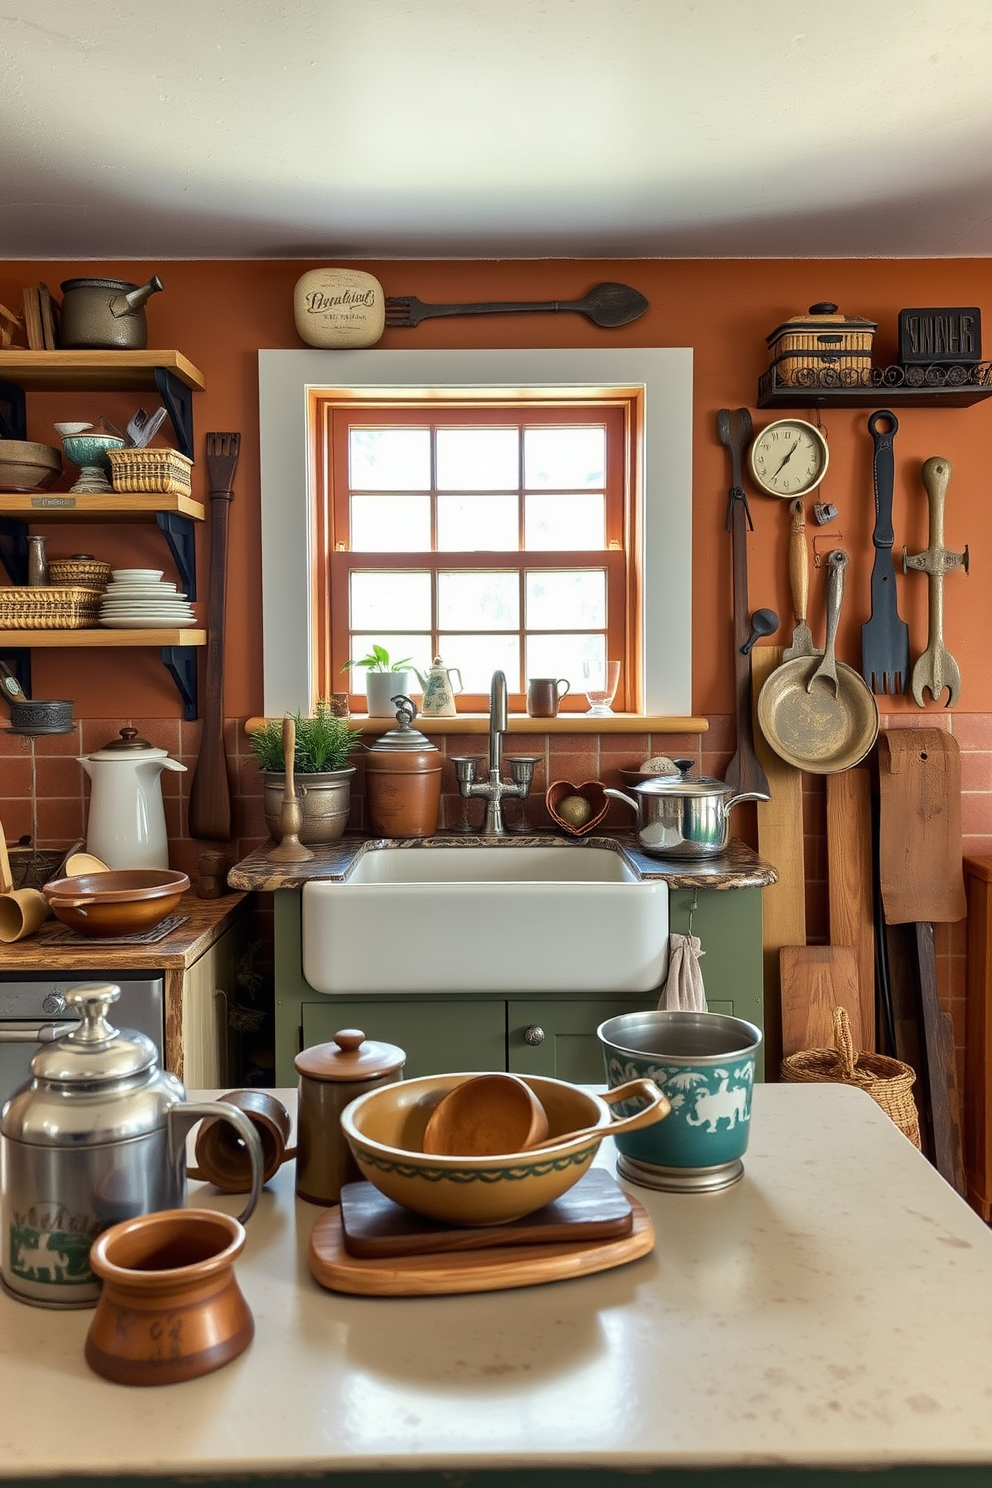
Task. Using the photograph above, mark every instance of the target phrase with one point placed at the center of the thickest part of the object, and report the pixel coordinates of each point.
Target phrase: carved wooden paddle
(605, 305)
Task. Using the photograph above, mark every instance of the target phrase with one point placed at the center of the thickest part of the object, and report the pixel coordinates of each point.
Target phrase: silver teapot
(97, 1135)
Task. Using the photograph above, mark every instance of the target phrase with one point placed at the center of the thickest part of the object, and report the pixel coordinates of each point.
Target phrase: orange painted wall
(220, 314)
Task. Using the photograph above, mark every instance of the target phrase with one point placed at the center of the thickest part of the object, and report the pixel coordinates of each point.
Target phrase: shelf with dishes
(876, 387)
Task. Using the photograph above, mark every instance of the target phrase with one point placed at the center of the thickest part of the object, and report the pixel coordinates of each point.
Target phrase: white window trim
(284, 382)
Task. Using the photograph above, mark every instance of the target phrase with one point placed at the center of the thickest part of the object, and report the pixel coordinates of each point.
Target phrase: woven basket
(48, 607)
(88, 573)
(150, 470)
(889, 1082)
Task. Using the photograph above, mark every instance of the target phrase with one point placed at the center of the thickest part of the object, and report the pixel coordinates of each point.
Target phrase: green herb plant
(323, 742)
(378, 661)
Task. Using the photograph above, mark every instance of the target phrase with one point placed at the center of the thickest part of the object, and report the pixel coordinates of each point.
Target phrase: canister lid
(822, 315)
(94, 1052)
(349, 1056)
(126, 746)
(403, 736)
(683, 784)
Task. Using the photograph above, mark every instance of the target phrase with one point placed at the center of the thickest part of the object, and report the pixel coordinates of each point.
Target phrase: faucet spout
(498, 721)
(494, 788)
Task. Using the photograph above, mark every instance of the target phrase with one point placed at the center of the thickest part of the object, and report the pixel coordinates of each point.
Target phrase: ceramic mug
(222, 1157)
(704, 1062)
(544, 694)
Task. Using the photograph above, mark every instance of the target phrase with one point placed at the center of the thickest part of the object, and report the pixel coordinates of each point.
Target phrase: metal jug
(126, 823)
(105, 313)
(97, 1135)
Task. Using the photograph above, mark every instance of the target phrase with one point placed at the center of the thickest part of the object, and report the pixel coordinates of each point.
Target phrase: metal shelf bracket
(178, 400)
(13, 411)
(178, 533)
(14, 549)
(181, 661)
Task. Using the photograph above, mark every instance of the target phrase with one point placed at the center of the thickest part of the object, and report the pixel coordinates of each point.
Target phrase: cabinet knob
(534, 1034)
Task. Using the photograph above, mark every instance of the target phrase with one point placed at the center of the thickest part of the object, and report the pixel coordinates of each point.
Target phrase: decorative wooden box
(946, 336)
(822, 348)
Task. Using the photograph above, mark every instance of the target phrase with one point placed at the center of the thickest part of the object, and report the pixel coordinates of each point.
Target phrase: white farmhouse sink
(486, 919)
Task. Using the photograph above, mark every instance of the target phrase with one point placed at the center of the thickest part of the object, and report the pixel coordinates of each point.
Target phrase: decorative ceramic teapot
(439, 690)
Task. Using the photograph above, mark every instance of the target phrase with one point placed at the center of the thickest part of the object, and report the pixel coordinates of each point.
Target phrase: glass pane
(414, 650)
(565, 600)
(467, 524)
(563, 458)
(389, 459)
(478, 459)
(390, 524)
(477, 600)
(390, 601)
(565, 522)
(563, 656)
(478, 656)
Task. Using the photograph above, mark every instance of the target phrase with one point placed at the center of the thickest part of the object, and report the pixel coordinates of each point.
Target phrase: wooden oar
(210, 788)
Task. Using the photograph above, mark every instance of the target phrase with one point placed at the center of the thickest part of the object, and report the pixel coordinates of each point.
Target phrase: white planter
(382, 687)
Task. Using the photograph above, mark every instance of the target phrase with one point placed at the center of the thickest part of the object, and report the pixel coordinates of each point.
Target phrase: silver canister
(331, 1075)
(97, 1135)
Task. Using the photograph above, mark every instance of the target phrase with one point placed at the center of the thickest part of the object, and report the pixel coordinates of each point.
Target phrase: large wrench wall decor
(936, 668)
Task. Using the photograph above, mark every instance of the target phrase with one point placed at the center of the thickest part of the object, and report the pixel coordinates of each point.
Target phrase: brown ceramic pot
(404, 792)
(171, 1308)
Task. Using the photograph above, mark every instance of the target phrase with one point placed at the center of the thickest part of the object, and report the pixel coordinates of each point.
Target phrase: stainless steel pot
(679, 817)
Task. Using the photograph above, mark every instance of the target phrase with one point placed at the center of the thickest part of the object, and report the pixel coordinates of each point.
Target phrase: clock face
(789, 458)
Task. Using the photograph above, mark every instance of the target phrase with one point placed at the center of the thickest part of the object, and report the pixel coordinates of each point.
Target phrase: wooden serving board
(372, 1225)
(491, 1270)
(815, 980)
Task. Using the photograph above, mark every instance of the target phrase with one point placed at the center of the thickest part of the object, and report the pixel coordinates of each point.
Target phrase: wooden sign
(945, 336)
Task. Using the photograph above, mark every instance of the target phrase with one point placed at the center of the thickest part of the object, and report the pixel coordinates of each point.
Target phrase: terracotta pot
(404, 792)
(171, 1308)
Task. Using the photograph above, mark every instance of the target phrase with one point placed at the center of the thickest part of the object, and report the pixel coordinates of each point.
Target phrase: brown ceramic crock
(403, 780)
(222, 1158)
(331, 1075)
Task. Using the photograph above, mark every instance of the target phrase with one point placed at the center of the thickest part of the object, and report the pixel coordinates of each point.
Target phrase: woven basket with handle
(889, 1082)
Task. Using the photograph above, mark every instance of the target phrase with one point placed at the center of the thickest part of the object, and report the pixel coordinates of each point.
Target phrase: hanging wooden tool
(936, 668)
(210, 789)
(849, 884)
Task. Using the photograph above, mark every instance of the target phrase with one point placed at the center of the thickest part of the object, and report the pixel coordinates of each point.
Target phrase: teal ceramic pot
(704, 1063)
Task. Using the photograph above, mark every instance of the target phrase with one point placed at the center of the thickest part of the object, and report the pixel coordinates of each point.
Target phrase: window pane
(412, 650)
(391, 601)
(478, 600)
(565, 523)
(467, 524)
(389, 459)
(567, 600)
(478, 459)
(563, 655)
(390, 524)
(565, 457)
(478, 656)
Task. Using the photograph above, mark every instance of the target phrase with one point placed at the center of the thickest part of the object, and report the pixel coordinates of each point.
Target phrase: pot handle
(658, 1108)
(621, 796)
(744, 796)
(185, 1114)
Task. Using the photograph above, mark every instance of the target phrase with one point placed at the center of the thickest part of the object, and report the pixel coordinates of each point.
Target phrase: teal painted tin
(704, 1063)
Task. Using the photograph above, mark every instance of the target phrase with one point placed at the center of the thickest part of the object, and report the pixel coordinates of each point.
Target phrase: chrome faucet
(494, 788)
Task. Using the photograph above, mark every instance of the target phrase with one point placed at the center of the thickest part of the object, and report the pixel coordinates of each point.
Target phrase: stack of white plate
(139, 597)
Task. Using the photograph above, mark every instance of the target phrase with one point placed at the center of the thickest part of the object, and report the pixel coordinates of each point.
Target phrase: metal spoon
(763, 623)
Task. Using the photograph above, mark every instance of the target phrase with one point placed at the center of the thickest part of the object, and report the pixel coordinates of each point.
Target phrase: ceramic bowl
(118, 902)
(385, 1131)
(591, 790)
(27, 466)
(91, 449)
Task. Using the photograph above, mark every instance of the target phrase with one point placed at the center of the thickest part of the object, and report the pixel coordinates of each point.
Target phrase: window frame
(663, 375)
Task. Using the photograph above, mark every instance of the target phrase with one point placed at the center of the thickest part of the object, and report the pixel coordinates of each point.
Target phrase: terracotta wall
(220, 314)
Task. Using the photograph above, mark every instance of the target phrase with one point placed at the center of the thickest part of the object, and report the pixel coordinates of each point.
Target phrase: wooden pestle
(290, 848)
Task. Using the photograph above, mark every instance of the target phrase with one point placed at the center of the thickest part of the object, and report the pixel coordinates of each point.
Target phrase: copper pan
(817, 713)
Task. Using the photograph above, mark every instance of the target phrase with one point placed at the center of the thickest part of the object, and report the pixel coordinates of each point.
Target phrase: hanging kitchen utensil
(744, 774)
(605, 305)
(210, 788)
(802, 637)
(820, 715)
(763, 623)
(884, 638)
(936, 668)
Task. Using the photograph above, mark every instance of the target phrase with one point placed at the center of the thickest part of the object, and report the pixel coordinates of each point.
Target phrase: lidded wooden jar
(331, 1075)
(403, 780)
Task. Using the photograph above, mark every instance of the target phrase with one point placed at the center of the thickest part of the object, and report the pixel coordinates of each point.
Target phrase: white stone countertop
(833, 1310)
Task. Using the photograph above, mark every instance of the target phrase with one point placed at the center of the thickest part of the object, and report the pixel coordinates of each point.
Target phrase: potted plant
(324, 743)
(384, 680)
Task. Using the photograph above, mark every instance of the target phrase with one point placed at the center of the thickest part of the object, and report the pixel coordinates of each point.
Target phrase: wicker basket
(48, 607)
(87, 573)
(150, 470)
(889, 1082)
(823, 344)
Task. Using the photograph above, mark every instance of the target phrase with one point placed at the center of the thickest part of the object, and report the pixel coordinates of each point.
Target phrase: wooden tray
(489, 1270)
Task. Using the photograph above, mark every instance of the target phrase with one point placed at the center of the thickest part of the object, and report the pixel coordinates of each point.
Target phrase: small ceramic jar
(331, 1075)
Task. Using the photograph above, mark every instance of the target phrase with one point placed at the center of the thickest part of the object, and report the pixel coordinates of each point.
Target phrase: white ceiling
(495, 128)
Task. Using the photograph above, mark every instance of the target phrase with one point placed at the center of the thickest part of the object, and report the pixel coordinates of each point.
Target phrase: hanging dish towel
(683, 990)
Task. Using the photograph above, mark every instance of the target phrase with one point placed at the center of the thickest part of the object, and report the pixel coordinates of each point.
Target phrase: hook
(692, 909)
(833, 538)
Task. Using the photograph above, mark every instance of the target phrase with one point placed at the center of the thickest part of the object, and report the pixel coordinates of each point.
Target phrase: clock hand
(787, 458)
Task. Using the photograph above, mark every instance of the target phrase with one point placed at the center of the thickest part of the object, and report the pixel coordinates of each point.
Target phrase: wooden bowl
(593, 792)
(491, 1114)
(27, 466)
(119, 902)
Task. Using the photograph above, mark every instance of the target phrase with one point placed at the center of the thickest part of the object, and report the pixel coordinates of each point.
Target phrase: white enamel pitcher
(126, 824)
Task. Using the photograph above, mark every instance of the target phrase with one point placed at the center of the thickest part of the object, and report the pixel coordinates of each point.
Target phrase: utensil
(683, 817)
(802, 637)
(744, 774)
(605, 305)
(289, 849)
(763, 623)
(804, 721)
(76, 864)
(10, 686)
(884, 638)
(936, 668)
(21, 910)
(209, 814)
(484, 1116)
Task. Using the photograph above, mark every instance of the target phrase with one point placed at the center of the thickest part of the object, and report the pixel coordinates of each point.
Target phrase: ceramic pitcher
(126, 824)
(439, 690)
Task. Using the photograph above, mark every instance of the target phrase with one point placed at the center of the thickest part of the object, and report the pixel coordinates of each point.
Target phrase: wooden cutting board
(815, 980)
(919, 856)
(849, 883)
(491, 1270)
(596, 1208)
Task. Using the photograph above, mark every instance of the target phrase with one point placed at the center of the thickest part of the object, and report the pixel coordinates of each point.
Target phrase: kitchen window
(294, 567)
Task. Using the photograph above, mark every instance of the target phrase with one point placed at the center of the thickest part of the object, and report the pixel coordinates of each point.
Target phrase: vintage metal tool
(936, 669)
(884, 638)
(802, 637)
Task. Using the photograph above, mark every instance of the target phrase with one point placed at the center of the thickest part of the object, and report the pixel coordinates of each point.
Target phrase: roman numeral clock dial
(789, 458)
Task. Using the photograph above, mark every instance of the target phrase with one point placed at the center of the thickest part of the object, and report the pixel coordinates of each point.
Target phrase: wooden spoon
(84, 862)
(486, 1116)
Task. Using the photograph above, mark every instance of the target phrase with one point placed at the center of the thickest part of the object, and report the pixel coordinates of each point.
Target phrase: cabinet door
(439, 1036)
(208, 988)
(728, 924)
(559, 1038)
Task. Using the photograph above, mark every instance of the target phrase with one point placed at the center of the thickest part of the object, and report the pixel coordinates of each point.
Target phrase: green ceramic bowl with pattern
(385, 1131)
(704, 1062)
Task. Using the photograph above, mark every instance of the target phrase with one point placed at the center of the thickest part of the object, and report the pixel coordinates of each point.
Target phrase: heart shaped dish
(592, 791)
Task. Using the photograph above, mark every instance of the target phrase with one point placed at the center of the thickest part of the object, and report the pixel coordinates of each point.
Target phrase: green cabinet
(541, 1034)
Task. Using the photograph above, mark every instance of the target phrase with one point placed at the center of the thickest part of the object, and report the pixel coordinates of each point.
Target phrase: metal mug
(544, 694)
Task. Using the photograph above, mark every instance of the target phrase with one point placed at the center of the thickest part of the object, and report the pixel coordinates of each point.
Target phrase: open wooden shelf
(102, 637)
(115, 371)
(132, 506)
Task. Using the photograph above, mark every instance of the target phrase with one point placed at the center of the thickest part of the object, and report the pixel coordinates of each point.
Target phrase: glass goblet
(600, 685)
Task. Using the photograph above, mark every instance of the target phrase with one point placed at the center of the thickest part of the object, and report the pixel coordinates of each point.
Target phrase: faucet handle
(465, 767)
(522, 768)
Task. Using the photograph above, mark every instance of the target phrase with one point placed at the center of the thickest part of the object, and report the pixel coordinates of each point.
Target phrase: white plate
(143, 591)
(137, 575)
(182, 612)
(143, 622)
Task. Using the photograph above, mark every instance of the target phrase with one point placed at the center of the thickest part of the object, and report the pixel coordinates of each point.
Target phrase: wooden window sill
(520, 723)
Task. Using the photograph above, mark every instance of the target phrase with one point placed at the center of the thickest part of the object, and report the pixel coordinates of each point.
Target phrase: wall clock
(789, 458)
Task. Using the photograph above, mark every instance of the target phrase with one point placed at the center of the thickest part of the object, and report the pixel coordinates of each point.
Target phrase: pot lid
(823, 314)
(129, 745)
(404, 736)
(94, 1052)
(682, 784)
(349, 1056)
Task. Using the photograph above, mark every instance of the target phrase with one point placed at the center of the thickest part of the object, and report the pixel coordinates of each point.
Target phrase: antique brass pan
(819, 714)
